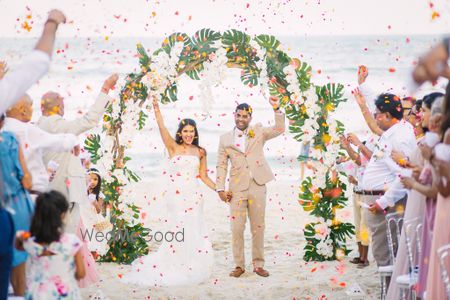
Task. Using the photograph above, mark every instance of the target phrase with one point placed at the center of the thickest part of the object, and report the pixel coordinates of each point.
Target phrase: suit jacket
(252, 163)
(70, 177)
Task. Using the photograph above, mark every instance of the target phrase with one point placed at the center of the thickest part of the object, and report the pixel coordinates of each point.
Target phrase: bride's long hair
(184, 123)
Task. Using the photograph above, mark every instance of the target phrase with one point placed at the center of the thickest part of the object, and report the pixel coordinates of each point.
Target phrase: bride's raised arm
(204, 171)
(168, 140)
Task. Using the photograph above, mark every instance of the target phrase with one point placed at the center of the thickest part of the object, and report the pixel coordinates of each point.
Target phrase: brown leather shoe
(237, 272)
(261, 272)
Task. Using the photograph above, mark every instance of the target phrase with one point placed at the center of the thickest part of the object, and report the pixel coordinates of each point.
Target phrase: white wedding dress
(189, 260)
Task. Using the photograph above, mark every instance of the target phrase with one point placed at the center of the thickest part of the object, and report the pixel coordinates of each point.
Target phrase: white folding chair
(396, 219)
(406, 282)
(443, 252)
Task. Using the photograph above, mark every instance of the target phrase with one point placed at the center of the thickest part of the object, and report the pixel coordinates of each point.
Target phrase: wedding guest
(440, 159)
(55, 257)
(16, 181)
(425, 186)
(92, 211)
(35, 141)
(381, 171)
(361, 159)
(70, 176)
(304, 158)
(12, 86)
(416, 201)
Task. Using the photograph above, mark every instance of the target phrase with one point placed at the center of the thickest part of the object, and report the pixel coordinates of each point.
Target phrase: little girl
(92, 216)
(54, 257)
(94, 190)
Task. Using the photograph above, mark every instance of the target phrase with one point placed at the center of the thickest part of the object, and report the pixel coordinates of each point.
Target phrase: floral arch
(205, 56)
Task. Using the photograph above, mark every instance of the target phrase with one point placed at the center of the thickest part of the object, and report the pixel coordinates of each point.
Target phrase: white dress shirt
(18, 81)
(240, 139)
(382, 171)
(34, 141)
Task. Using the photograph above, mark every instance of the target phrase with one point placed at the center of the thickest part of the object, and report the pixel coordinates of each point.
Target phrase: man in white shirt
(382, 171)
(35, 141)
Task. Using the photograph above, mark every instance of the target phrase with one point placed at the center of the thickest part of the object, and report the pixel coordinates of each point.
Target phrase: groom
(244, 147)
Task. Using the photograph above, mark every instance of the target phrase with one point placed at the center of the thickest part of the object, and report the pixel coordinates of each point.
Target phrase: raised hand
(155, 104)
(363, 72)
(109, 83)
(359, 97)
(274, 102)
(56, 16)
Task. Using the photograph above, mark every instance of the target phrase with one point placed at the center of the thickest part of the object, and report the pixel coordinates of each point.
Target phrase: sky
(108, 18)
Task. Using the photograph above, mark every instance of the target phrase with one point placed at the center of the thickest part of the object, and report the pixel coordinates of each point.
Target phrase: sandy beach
(290, 276)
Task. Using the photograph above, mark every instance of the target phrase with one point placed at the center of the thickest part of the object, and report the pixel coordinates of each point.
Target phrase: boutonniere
(251, 133)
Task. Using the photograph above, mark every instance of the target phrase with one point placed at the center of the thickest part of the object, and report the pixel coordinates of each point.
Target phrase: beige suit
(248, 175)
(70, 177)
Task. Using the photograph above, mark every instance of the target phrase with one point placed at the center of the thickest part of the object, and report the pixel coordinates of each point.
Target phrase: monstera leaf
(269, 42)
(204, 39)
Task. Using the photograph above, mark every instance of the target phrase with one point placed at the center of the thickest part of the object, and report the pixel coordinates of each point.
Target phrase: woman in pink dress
(441, 236)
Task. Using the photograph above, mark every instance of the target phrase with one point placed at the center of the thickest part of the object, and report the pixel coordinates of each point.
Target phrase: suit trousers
(251, 202)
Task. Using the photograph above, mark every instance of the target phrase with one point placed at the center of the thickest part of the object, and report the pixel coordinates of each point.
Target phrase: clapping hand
(352, 138)
(408, 182)
(426, 151)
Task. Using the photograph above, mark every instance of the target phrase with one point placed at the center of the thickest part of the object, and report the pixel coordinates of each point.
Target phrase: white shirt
(382, 171)
(34, 141)
(18, 81)
(240, 139)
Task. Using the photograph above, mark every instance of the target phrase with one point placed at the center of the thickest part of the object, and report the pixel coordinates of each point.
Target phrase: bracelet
(446, 40)
(52, 21)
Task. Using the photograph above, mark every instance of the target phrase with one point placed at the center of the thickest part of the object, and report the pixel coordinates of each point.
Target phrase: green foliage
(240, 54)
(92, 145)
(269, 42)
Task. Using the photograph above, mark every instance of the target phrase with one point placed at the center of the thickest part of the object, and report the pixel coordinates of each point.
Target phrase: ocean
(80, 66)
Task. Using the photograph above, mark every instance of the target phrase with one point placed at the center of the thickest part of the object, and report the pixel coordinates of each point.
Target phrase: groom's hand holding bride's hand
(225, 196)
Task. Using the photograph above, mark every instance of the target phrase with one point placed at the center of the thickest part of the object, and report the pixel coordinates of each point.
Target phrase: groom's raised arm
(222, 166)
(277, 129)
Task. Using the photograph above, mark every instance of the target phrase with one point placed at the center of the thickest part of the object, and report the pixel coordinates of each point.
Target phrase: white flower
(325, 248)
(321, 230)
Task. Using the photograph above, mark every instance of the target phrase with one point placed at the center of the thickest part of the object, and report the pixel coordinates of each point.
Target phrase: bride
(188, 260)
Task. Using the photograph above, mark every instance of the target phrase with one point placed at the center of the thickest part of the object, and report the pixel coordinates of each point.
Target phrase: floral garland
(206, 56)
